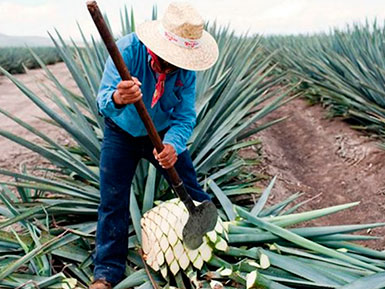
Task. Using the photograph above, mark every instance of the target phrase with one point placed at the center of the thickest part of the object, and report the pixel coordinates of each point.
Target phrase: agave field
(48, 228)
(343, 69)
(18, 59)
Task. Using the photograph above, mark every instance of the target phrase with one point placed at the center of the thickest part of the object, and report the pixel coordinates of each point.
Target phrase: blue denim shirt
(175, 109)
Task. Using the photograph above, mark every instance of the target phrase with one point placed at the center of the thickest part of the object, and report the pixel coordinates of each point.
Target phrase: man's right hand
(128, 91)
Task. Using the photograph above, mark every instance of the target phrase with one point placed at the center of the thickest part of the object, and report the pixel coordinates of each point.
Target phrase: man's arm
(183, 118)
(107, 88)
(114, 93)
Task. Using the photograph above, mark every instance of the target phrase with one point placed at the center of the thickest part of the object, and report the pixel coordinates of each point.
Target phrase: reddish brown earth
(307, 152)
(315, 155)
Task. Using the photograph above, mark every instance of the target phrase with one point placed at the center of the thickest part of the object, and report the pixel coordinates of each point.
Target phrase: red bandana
(159, 87)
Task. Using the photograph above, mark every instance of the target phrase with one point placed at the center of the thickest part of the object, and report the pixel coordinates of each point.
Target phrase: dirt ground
(307, 152)
(315, 155)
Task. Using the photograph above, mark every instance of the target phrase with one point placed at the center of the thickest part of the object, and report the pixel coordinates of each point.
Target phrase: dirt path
(16, 103)
(315, 155)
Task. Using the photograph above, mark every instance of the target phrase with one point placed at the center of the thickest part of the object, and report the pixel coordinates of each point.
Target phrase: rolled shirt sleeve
(183, 118)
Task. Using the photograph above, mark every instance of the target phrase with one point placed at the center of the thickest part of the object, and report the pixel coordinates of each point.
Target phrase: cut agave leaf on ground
(375, 281)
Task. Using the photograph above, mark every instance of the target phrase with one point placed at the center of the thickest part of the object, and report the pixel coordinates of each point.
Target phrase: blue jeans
(120, 155)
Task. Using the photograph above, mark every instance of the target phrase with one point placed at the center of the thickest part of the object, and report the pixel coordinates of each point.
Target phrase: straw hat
(179, 38)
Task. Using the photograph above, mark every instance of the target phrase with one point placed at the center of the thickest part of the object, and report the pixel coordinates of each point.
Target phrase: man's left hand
(167, 157)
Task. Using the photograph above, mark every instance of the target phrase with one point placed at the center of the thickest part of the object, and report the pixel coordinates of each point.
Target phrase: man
(162, 55)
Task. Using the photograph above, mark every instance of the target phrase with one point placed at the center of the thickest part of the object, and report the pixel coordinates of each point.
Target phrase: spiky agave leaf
(284, 263)
(342, 69)
(252, 265)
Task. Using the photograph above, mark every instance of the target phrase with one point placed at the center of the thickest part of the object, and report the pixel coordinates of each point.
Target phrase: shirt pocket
(169, 101)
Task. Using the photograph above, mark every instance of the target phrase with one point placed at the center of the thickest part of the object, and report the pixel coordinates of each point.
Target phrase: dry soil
(326, 159)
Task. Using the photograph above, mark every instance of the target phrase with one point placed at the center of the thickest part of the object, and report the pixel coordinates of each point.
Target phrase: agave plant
(56, 215)
(344, 69)
(16, 59)
(270, 256)
(249, 248)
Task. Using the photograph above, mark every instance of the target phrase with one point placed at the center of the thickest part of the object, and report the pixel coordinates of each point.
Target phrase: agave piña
(162, 239)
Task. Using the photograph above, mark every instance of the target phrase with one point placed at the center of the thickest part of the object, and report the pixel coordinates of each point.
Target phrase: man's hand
(167, 158)
(128, 91)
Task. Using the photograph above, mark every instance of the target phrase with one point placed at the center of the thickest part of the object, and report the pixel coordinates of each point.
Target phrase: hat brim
(199, 58)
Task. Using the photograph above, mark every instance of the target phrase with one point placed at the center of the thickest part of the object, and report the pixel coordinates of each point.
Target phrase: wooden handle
(125, 75)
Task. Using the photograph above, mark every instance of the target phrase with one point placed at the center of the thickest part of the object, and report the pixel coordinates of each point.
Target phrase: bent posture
(163, 57)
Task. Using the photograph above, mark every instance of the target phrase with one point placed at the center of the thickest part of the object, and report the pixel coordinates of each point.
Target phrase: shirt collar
(149, 58)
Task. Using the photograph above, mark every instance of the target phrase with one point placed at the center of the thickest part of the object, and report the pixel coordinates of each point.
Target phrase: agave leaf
(242, 191)
(263, 198)
(277, 208)
(54, 281)
(300, 269)
(344, 237)
(51, 188)
(51, 155)
(91, 75)
(228, 169)
(22, 216)
(251, 234)
(149, 191)
(374, 281)
(135, 215)
(363, 251)
(92, 54)
(45, 138)
(76, 73)
(72, 252)
(292, 219)
(223, 199)
(135, 279)
(77, 115)
(342, 264)
(88, 146)
(67, 184)
(300, 241)
(80, 275)
(296, 282)
(7, 270)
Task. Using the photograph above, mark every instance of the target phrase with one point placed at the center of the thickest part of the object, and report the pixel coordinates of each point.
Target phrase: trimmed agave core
(162, 239)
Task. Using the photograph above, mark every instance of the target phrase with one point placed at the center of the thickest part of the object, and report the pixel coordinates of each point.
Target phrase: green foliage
(344, 69)
(16, 59)
(56, 214)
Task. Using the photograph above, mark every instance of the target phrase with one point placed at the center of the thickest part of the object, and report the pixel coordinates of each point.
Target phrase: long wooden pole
(124, 73)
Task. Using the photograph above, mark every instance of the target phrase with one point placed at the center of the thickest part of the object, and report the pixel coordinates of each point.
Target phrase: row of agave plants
(252, 246)
(343, 69)
(18, 59)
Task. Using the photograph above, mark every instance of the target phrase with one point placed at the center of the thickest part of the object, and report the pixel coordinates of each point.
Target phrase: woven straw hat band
(183, 20)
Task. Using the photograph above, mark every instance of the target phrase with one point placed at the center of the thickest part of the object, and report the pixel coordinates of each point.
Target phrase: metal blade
(201, 221)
